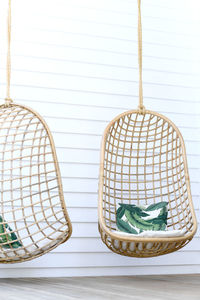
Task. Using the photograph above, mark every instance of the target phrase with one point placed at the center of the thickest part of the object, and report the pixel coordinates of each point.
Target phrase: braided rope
(141, 106)
(8, 100)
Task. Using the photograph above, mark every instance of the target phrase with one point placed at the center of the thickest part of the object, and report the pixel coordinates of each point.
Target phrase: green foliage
(7, 237)
(130, 218)
(156, 206)
(124, 226)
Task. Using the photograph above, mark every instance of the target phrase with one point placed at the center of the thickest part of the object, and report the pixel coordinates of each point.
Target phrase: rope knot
(8, 101)
(141, 109)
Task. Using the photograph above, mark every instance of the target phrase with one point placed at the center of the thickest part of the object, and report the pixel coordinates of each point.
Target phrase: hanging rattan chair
(33, 216)
(143, 161)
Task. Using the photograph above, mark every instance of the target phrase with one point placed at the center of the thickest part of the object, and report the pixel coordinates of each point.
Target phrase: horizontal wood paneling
(75, 62)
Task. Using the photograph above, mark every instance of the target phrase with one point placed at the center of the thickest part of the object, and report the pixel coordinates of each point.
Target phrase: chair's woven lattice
(31, 193)
(143, 161)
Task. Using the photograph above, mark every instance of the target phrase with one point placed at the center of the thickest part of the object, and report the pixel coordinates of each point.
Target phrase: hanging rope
(8, 100)
(141, 106)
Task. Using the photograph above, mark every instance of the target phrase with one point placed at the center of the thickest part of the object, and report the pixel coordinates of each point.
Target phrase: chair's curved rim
(57, 168)
(126, 238)
(22, 258)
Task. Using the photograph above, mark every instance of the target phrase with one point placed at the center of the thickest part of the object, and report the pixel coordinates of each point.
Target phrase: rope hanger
(141, 106)
(8, 100)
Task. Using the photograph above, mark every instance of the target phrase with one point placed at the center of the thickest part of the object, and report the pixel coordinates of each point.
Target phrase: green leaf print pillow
(137, 219)
(8, 236)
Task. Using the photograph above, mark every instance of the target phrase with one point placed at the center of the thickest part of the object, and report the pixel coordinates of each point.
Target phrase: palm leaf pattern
(7, 237)
(135, 219)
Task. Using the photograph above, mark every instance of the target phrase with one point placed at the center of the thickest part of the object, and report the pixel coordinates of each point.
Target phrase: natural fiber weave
(143, 161)
(32, 202)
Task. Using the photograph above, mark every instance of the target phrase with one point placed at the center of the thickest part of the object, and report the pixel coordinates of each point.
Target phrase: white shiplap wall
(75, 62)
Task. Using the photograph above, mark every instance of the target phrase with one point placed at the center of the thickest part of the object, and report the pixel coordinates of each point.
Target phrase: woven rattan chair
(32, 202)
(143, 161)
(33, 216)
